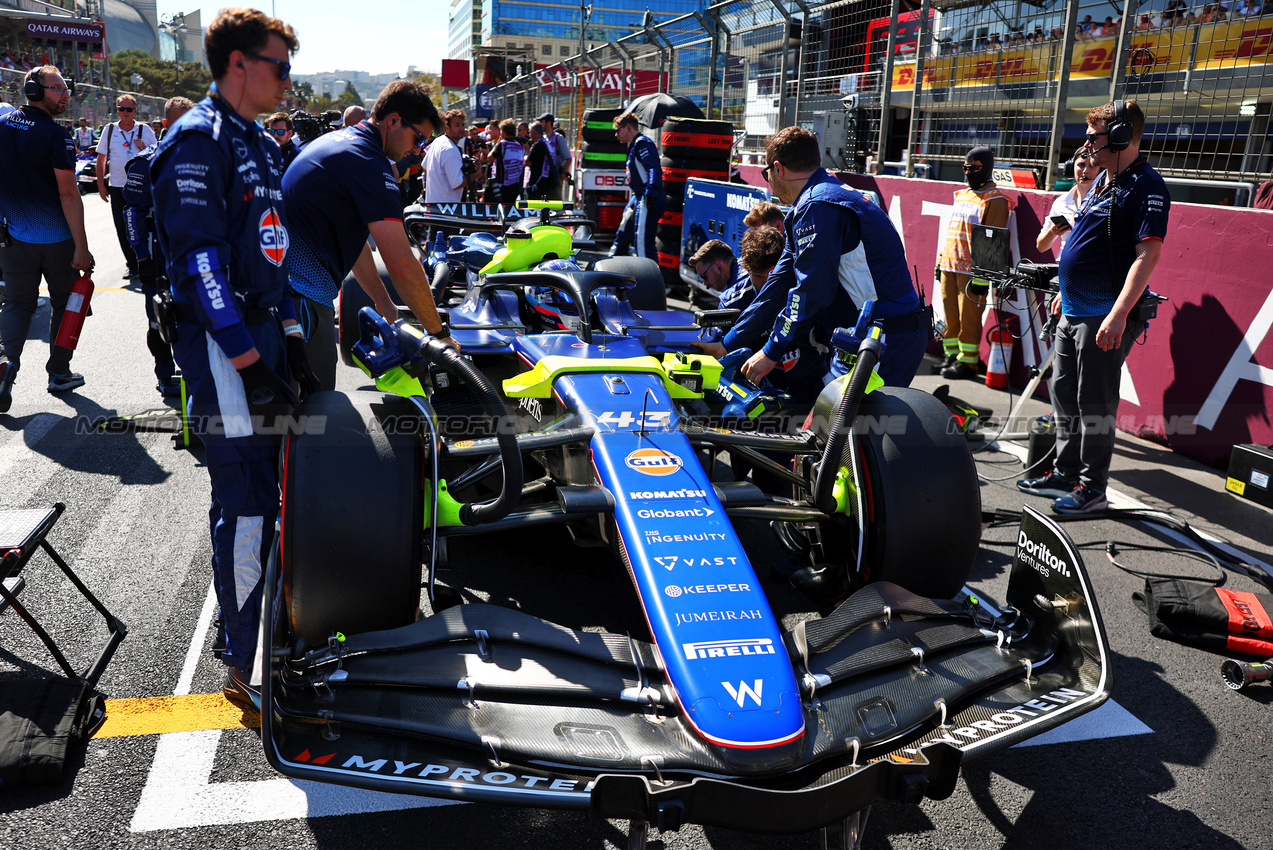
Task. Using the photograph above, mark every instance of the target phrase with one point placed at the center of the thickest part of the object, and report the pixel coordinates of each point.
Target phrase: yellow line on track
(190, 713)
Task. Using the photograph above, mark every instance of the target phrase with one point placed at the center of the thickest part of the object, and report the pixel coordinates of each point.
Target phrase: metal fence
(919, 88)
(96, 103)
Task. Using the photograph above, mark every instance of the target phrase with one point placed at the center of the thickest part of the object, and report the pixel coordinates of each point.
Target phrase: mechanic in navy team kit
(1105, 268)
(139, 223)
(841, 252)
(648, 200)
(218, 210)
(739, 282)
(43, 217)
(337, 191)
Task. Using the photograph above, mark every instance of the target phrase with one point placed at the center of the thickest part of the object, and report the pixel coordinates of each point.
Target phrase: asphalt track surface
(1174, 761)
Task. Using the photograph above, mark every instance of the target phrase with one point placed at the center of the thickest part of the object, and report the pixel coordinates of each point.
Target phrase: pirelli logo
(727, 648)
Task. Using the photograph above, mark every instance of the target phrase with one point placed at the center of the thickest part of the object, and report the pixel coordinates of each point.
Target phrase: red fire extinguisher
(68, 333)
(1002, 340)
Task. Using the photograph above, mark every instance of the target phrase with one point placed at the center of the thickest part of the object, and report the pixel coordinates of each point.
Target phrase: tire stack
(600, 148)
(691, 148)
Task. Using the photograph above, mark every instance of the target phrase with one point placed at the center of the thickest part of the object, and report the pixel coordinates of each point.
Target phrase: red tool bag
(1210, 617)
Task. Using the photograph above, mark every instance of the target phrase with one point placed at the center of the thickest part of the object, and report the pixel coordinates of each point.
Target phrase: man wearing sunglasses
(342, 189)
(841, 252)
(281, 130)
(120, 142)
(1108, 259)
(43, 225)
(222, 228)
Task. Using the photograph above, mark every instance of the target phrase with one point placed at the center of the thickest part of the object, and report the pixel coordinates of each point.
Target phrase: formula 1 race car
(571, 408)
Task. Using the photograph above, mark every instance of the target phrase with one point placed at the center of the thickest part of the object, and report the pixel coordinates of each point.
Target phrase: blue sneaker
(1047, 485)
(7, 373)
(1081, 500)
(169, 387)
(62, 383)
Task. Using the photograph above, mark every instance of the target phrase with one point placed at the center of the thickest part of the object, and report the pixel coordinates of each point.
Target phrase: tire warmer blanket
(1210, 617)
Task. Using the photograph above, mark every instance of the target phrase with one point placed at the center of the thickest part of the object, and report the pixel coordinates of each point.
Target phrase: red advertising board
(558, 78)
(456, 74)
(1202, 381)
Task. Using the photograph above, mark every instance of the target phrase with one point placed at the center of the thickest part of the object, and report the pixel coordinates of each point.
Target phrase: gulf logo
(653, 462)
(273, 238)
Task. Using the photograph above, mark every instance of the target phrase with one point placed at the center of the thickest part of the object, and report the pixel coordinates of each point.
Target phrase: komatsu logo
(1040, 557)
(728, 648)
(203, 264)
(740, 202)
(667, 494)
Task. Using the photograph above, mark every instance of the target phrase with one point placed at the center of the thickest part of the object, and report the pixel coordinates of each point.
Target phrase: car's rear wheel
(352, 515)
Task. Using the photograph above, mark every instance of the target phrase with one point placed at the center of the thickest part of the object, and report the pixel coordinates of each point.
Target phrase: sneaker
(7, 373)
(1081, 500)
(169, 388)
(948, 361)
(1047, 485)
(959, 370)
(239, 689)
(62, 383)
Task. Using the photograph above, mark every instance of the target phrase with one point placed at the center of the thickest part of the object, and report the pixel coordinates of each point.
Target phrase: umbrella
(653, 109)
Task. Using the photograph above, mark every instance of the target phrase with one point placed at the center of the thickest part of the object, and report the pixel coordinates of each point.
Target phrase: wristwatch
(443, 332)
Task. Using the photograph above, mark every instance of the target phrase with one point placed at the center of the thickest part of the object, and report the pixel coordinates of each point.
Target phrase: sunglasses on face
(970, 167)
(125, 109)
(284, 68)
(282, 132)
(1092, 137)
(764, 172)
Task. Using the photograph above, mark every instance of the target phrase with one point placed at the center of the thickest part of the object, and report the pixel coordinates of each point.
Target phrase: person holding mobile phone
(1065, 207)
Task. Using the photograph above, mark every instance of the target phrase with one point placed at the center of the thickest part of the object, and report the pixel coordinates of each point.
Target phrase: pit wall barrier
(1203, 380)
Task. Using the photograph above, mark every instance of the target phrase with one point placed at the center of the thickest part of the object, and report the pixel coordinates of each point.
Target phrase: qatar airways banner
(1202, 381)
(555, 78)
(61, 30)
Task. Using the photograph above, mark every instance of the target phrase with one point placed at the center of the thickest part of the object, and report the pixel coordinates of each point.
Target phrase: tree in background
(303, 94)
(349, 97)
(160, 77)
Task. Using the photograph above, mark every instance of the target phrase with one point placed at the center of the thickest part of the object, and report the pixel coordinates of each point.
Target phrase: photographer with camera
(1105, 269)
(444, 174)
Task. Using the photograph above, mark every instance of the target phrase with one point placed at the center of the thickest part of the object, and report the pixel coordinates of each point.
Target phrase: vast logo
(273, 236)
(653, 462)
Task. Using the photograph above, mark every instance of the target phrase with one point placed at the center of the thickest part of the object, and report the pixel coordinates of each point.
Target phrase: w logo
(743, 691)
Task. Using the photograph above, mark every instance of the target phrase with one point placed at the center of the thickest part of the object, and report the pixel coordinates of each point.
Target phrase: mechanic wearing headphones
(337, 191)
(841, 252)
(1105, 268)
(43, 216)
(645, 180)
(219, 215)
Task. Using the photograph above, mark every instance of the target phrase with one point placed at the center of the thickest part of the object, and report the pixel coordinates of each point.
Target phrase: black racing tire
(696, 138)
(353, 299)
(352, 513)
(678, 164)
(924, 500)
(598, 124)
(675, 203)
(611, 146)
(668, 233)
(667, 246)
(649, 293)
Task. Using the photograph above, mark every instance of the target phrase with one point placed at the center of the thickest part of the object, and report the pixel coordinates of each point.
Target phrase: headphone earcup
(1120, 129)
(33, 90)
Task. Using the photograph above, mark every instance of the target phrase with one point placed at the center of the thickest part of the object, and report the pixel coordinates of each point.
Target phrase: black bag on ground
(1210, 617)
(42, 723)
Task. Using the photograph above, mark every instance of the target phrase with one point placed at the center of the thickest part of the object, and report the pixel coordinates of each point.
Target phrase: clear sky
(376, 36)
